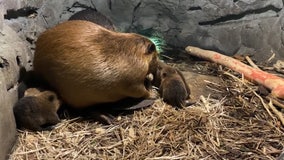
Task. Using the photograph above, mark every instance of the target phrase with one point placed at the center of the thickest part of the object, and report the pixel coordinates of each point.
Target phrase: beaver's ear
(151, 48)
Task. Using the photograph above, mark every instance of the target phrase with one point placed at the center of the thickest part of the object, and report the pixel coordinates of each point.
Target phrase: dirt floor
(232, 119)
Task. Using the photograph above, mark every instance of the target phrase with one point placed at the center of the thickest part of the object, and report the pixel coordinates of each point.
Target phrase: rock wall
(228, 26)
(231, 27)
(14, 54)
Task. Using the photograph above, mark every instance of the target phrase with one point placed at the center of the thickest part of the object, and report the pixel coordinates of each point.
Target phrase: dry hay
(236, 126)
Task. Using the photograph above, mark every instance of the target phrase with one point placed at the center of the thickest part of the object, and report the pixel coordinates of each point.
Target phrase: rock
(13, 55)
(198, 84)
(230, 27)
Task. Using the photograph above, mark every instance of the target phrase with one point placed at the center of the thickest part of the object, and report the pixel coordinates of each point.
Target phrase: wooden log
(272, 82)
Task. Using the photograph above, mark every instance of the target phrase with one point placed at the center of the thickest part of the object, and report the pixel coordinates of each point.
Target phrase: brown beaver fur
(173, 88)
(37, 110)
(87, 64)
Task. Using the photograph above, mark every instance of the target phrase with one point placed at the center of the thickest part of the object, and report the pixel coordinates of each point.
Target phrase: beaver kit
(37, 110)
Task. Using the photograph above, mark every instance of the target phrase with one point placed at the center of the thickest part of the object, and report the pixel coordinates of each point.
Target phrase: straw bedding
(232, 123)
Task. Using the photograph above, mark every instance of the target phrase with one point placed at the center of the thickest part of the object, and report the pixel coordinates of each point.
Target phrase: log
(270, 81)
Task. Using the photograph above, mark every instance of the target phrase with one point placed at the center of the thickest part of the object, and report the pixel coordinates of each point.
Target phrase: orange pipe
(272, 82)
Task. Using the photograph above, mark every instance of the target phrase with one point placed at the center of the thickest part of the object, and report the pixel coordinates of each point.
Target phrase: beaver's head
(148, 52)
(139, 53)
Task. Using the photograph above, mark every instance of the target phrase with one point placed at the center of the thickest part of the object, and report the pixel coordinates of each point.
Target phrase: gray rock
(13, 55)
(243, 27)
(229, 27)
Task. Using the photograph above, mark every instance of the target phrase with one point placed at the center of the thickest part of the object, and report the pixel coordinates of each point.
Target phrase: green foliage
(158, 41)
(155, 37)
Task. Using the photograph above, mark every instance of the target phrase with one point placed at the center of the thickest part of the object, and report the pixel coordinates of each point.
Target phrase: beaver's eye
(151, 48)
(164, 75)
(51, 98)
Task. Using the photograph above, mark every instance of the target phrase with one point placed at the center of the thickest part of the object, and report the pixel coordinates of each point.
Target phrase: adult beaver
(87, 64)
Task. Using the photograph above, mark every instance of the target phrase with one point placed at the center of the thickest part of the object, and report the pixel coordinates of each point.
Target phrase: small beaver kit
(37, 110)
(172, 86)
